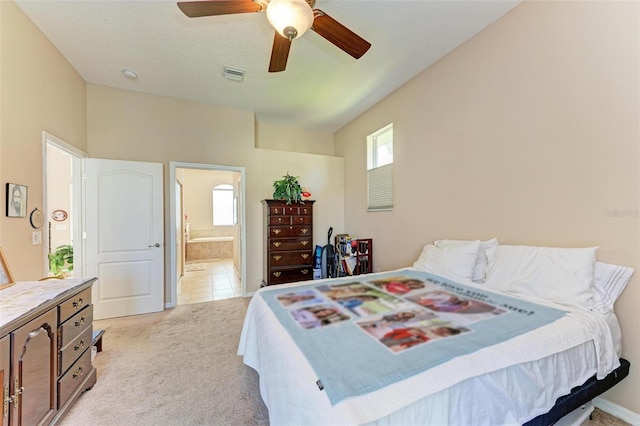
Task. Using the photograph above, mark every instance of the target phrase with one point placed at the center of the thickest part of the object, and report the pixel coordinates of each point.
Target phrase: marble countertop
(25, 296)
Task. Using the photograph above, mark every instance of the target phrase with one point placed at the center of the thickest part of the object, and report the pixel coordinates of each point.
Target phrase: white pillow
(608, 283)
(455, 261)
(562, 275)
(481, 260)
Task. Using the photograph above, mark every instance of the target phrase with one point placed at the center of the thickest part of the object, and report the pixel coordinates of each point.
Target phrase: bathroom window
(223, 205)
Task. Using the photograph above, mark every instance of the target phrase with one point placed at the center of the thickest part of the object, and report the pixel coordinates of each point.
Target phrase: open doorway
(61, 205)
(207, 225)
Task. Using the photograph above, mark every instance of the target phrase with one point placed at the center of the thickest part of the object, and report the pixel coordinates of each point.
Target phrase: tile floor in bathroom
(207, 280)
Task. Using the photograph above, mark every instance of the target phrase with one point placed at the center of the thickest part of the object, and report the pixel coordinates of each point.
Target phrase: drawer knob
(304, 230)
(277, 231)
(79, 346)
(277, 274)
(78, 304)
(277, 243)
(78, 373)
(304, 256)
(304, 271)
(79, 323)
(277, 257)
(304, 243)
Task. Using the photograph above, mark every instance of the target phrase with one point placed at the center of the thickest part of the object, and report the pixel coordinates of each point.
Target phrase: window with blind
(380, 169)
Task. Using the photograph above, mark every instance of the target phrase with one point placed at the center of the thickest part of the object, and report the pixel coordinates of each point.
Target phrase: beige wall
(287, 138)
(198, 195)
(528, 132)
(59, 176)
(39, 91)
(129, 125)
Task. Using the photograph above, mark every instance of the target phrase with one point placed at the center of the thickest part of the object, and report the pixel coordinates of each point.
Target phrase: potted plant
(288, 189)
(61, 261)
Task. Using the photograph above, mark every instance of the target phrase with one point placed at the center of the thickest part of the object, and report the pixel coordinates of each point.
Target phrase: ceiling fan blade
(194, 9)
(279, 53)
(339, 35)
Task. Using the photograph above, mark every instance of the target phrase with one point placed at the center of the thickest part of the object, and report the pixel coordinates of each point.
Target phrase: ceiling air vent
(234, 74)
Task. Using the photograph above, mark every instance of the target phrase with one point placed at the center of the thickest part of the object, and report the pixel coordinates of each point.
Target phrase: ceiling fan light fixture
(290, 18)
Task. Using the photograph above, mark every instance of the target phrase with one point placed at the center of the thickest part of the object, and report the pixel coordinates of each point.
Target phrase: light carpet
(179, 367)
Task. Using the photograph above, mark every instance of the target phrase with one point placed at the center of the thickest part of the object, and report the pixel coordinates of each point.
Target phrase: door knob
(155, 245)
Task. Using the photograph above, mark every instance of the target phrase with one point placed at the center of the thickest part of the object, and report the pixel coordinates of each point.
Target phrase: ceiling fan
(290, 18)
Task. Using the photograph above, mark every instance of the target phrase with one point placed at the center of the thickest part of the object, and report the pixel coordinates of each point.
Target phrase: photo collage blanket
(395, 325)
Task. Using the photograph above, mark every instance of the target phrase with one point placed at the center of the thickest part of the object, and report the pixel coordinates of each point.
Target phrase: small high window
(223, 205)
(380, 169)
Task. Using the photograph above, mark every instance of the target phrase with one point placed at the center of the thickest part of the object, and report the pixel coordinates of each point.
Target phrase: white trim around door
(171, 302)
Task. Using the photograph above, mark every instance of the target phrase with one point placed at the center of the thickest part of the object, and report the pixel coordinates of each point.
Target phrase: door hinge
(6, 400)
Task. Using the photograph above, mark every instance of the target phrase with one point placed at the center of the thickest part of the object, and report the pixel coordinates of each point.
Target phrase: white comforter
(508, 383)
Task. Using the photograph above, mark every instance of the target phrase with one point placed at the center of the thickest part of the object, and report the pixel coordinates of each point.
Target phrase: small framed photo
(6, 279)
(16, 200)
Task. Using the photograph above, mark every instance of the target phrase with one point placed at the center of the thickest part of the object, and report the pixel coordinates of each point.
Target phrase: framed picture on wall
(16, 200)
(6, 279)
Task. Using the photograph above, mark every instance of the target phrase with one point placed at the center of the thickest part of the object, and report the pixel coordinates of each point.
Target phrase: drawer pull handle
(78, 304)
(277, 274)
(80, 323)
(304, 256)
(304, 271)
(79, 346)
(304, 243)
(304, 230)
(78, 373)
(276, 258)
(277, 231)
(277, 243)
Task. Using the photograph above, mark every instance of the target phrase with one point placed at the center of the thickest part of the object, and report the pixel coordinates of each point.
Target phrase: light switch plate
(36, 238)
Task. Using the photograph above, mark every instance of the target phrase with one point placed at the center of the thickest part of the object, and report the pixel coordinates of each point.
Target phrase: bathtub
(202, 248)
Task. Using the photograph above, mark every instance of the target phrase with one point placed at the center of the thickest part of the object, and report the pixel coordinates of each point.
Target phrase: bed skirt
(580, 395)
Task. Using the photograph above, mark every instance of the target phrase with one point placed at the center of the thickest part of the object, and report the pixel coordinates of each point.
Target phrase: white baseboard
(617, 411)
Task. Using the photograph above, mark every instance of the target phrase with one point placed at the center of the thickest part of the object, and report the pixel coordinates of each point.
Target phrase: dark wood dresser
(288, 242)
(45, 349)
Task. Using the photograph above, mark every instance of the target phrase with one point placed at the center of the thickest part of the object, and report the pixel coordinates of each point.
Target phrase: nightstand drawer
(75, 325)
(74, 305)
(70, 353)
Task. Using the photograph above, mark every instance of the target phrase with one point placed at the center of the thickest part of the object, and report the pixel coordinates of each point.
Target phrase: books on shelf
(354, 254)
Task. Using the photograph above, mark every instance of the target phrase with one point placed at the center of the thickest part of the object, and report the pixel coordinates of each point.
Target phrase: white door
(124, 236)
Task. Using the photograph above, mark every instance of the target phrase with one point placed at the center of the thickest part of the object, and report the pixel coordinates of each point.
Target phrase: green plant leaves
(61, 260)
(287, 189)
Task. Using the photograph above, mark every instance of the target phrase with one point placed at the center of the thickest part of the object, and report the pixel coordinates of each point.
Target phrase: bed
(452, 340)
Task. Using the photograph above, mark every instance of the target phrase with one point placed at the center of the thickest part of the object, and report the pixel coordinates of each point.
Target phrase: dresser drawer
(70, 381)
(75, 325)
(70, 353)
(290, 244)
(301, 220)
(279, 276)
(290, 231)
(302, 258)
(73, 305)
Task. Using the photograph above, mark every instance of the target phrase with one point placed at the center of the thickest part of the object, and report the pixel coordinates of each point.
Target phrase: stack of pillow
(568, 276)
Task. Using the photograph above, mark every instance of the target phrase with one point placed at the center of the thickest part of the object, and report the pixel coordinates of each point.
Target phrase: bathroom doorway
(208, 254)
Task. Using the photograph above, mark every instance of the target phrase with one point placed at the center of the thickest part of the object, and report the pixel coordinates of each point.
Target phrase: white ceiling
(322, 88)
